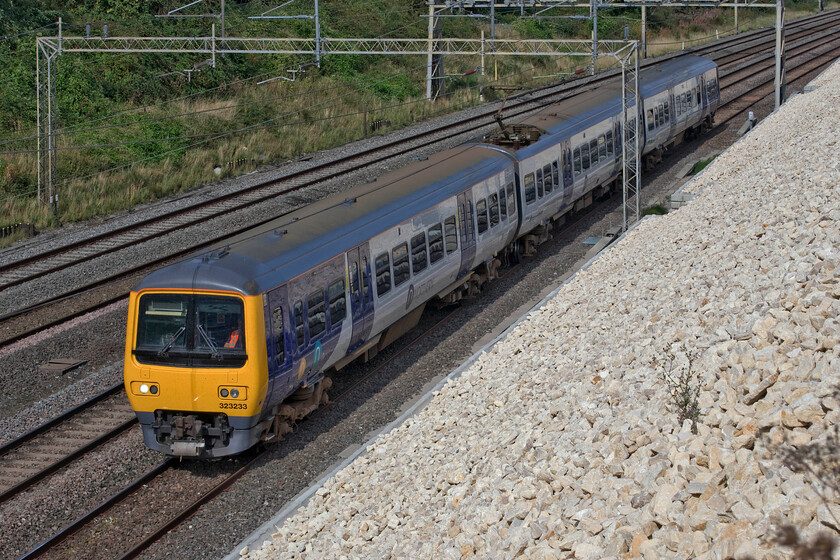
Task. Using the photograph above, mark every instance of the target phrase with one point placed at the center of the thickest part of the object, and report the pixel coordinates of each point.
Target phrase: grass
(701, 165)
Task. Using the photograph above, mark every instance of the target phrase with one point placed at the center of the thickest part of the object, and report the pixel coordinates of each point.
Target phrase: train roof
(282, 249)
(581, 111)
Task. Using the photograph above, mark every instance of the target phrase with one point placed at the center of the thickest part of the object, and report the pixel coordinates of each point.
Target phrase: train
(233, 346)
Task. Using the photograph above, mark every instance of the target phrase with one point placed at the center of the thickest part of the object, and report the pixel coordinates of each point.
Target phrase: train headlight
(144, 388)
(235, 393)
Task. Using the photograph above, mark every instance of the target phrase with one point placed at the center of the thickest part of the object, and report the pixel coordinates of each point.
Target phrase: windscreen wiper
(216, 354)
(163, 351)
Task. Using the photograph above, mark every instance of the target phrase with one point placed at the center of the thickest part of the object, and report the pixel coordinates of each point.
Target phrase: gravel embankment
(561, 443)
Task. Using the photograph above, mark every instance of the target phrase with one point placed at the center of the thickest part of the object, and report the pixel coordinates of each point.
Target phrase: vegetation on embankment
(156, 124)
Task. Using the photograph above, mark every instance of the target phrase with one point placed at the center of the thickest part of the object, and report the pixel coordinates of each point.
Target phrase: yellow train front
(195, 367)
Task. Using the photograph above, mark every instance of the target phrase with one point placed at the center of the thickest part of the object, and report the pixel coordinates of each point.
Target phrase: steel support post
(736, 17)
(430, 55)
(630, 149)
(317, 36)
(643, 52)
(780, 53)
(46, 54)
(594, 14)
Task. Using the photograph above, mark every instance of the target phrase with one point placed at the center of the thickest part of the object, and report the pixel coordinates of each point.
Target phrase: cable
(22, 33)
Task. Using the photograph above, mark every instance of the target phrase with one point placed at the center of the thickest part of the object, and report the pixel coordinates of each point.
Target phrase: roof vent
(280, 232)
(216, 255)
(349, 201)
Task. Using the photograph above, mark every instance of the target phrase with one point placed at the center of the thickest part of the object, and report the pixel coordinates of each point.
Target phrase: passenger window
(540, 183)
(383, 274)
(511, 199)
(577, 161)
(279, 337)
(338, 302)
(419, 260)
(399, 255)
(481, 212)
(697, 89)
(435, 243)
(299, 333)
(493, 203)
(584, 156)
(651, 122)
(451, 235)
(530, 189)
(316, 313)
(667, 112)
(555, 174)
(545, 172)
(593, 151)
(661, 114)
(609, 140)
(602, 148)
(502, 204)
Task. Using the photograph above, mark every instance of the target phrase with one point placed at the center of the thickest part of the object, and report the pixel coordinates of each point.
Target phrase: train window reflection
(383, 274)
(399, 254)
(451, 235)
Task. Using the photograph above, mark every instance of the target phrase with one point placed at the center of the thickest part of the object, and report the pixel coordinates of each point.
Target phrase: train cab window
(546, 173)
(383, 274)
(316, 313)
(300, 334)
(481, 213)
(540, 183)
(530, 189)
(650, 121)
(602, 148)
(451, 232)
(435, 243)
(279, 336)
(511, 199)
(502, 204)
(493, 204)
(555, 174)
(577, 161)
(399, 255)
(609, 141)
(584, 156)
(338, 302)
(419, 256)
(354, 285)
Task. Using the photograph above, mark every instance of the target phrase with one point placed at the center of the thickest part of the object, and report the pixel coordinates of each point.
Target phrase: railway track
(42, 451)
(21, 323)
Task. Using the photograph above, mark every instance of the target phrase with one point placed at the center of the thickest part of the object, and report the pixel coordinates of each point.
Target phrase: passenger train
(231, 347)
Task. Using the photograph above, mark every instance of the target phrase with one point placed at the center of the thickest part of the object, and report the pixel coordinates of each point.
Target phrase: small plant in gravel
(683, 385)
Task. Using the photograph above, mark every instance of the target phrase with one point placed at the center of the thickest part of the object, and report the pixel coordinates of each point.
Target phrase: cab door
(361, 300)
(278, 343)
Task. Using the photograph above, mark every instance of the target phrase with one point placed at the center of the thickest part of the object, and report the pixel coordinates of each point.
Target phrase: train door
(361, 300)
(278, 341)
(568, 179)
(467, 232)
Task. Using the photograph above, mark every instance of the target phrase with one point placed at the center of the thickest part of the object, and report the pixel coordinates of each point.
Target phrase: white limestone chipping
(560, 441)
